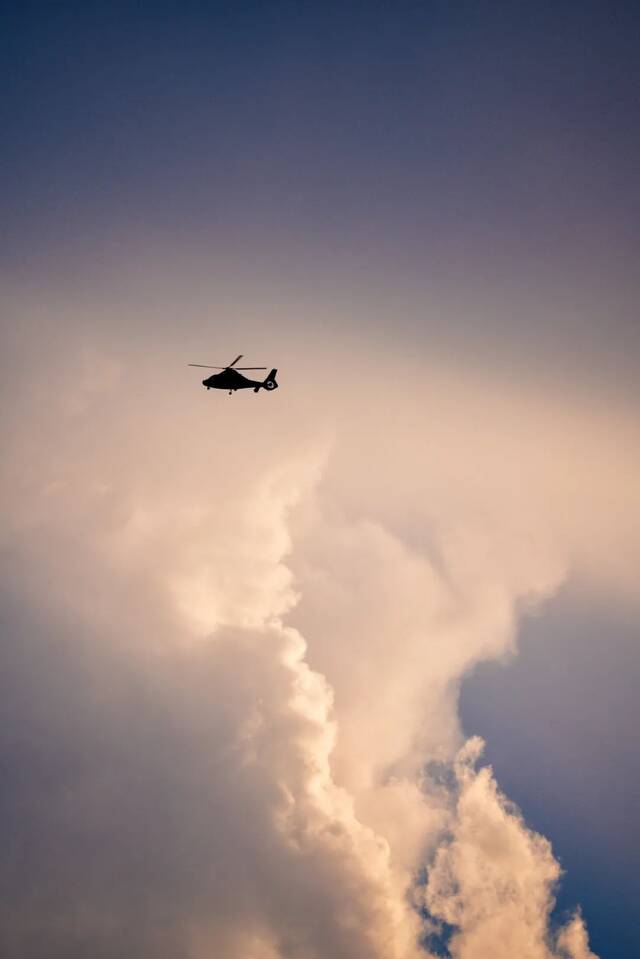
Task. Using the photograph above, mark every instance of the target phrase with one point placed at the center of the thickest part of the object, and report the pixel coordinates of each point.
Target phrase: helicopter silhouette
(231, 379)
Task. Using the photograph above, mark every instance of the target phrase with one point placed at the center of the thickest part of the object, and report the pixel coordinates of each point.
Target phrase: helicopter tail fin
(269, 382)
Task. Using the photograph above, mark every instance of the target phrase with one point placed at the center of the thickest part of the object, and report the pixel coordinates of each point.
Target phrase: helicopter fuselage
(231, 380)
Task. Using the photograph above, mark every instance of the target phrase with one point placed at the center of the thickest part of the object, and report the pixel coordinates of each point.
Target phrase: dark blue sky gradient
(484, 155)
(516, 120)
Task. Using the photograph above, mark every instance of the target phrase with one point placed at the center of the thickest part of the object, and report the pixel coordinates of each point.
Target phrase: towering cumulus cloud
(231, 661)
(492, 879)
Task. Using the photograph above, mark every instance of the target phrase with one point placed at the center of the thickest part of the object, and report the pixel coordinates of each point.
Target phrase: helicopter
(231, 379)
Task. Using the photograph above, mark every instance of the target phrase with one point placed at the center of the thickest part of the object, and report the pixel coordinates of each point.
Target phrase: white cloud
(574, 941)
(246, 643)
(492, 878)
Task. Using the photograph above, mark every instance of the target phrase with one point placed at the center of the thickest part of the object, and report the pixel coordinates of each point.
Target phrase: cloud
(234, 645)
(492, 879)
(184, 789)
(573, 939)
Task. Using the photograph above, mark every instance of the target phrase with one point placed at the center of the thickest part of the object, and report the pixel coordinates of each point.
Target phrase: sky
(347, 669)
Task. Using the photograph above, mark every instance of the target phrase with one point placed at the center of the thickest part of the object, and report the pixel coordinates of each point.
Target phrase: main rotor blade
(234, 362)
(204, 366)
